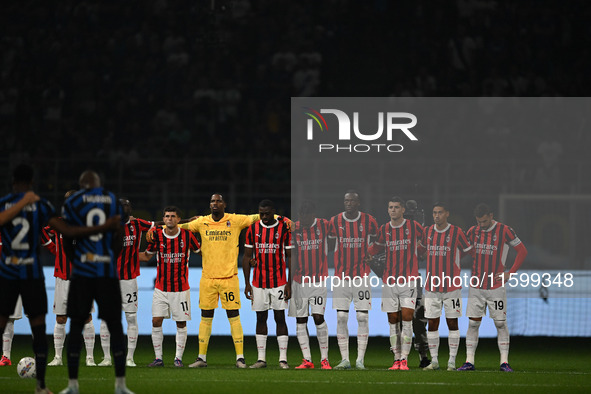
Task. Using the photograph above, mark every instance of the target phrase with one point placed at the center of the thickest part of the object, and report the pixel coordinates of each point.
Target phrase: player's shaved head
(89, 180)
(69, 193)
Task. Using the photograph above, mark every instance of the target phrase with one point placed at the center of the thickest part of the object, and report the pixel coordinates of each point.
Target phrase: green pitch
(541, 365)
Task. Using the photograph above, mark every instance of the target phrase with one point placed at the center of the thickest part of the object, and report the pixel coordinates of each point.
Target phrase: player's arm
(287, 293)
(58, 224)
(9, 214)
(247, 260)
(521, 254)
(145, 256)
(47, 242)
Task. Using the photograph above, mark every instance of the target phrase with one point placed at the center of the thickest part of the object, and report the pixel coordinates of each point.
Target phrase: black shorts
(105, 291)
(32, 291)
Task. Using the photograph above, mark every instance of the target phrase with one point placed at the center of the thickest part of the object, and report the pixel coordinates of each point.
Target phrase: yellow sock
(237, 334)
(204, 334)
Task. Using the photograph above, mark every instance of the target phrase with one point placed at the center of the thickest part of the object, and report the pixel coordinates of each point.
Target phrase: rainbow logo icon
(315, 115)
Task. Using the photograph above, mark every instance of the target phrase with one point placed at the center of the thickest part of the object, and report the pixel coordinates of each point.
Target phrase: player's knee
(500, 324)
(181, 324)
(61, 319)
(318, 319)
(157, 321)
(301, 320)
(131, 318)
(392, 318)
(474, 324)
(362, 317)
(207, 313)
(342, 317)
(230, 313)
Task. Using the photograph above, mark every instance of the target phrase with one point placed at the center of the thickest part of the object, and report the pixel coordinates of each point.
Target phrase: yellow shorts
(227, 289)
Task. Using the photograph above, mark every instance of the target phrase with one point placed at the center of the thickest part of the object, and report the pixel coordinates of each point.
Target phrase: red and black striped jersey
(128, 262)
(172, 256)
(310, 249)
(401, 245)
(490, 247)
(353, 240)
(269, 244)
(54, 242)
(443, 257)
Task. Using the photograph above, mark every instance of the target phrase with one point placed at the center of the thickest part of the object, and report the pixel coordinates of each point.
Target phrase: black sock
(40, 350)
(74, 344)
(117, 346)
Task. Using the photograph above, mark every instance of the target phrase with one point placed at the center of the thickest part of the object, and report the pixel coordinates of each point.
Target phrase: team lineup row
(103, 262)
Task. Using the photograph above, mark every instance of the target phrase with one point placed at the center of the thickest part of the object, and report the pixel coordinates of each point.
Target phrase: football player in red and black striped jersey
(354, 232)
(268, 250)
(491, 241)
(310, 271)
(172, 246)
(445, 244)
(401, 238)
(128, 266)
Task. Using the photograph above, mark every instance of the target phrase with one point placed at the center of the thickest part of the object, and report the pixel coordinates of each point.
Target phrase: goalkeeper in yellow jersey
(220, 234)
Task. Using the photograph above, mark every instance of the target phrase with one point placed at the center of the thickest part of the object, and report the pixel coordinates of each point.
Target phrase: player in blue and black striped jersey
(23, 214)
(95, 276)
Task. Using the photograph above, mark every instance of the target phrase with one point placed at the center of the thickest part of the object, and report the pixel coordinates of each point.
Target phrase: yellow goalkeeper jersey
(219, 242)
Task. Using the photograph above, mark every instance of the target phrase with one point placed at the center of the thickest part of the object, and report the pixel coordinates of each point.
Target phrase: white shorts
(306, 297)
(346, 292)
(496, 300)
(395, 297)
(176, 304)
(129, 294)
(267, 299)
(60, 297)
(18, 310)
(434, 301)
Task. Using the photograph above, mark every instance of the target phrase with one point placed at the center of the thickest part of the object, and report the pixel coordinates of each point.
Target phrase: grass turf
(541, 365)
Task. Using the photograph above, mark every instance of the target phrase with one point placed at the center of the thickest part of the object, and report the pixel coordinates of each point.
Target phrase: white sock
(119, 381)
(132, 333)
(433, 341)
(343, 334)
(304, 340)
(472, 340)
(181, 341)
(262, 347)
(362, 334)
(73, 383)
(322, 336)
(89, 335)
(282, 341)
(105, 340)
(203, 357)
(59, 337)
(157, 338)
(395, 341)
(7, 338)
(454, 343)
(503, 339)
(406, 339)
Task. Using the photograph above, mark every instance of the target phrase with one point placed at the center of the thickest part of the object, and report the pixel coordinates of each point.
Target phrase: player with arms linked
(95, 276)
(401, 238)
(220, 233)
(268, 250)
(310, 272)
(128, 266)
(22, 217)
(445, 244)
(491, 241)
(354, 232)
(172, 295)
